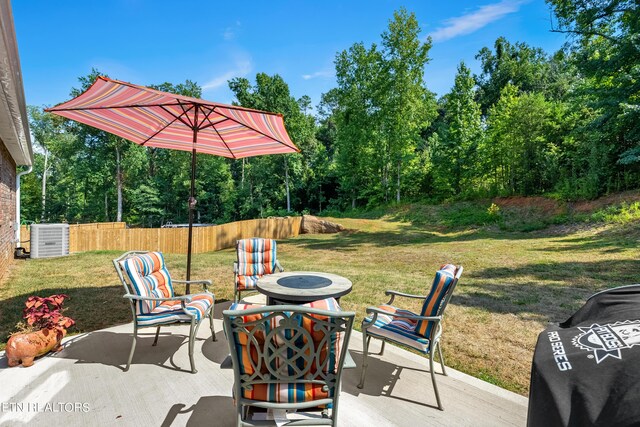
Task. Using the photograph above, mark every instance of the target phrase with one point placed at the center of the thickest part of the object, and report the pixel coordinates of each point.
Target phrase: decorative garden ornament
(44, 329)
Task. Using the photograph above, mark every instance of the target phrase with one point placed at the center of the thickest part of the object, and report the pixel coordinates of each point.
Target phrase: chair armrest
(235, 267)
(402, 294)
(205, 283)
(375, 311)
(208, 282)
(279, 266)
(393, 294)
(182, 298)
(141, 298)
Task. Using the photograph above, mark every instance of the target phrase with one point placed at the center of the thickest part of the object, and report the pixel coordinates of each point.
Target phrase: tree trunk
(118, 184)
(242, 175)
(385, 182)
(286, 181)
(151, 152)
(251, 192)
(398, 188)
(106, 207)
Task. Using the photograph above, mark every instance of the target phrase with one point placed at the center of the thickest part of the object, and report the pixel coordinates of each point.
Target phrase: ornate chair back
(288, 356)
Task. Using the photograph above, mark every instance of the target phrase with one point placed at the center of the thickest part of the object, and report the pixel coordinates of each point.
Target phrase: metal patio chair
(288, 357)
(255, 258)
(149, 289)
(419, 331)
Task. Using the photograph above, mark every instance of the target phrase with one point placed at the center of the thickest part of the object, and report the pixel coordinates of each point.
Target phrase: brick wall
(7, 208)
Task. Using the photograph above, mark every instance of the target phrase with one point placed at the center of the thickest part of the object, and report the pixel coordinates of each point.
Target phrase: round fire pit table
(299, 287)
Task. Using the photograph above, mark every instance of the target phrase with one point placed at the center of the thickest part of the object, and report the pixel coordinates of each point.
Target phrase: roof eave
(14, 124)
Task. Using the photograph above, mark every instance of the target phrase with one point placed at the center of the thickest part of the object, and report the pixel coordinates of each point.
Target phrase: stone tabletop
(303, 286)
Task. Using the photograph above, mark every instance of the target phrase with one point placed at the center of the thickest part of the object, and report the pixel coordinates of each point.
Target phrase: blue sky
(150, 42)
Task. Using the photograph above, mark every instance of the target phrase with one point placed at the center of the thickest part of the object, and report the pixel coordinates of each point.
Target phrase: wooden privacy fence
(115, 235)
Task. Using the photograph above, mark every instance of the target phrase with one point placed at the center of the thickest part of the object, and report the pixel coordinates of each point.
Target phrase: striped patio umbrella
(159, 119)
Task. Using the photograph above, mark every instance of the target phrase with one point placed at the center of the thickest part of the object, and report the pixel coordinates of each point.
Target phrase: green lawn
(513, 285)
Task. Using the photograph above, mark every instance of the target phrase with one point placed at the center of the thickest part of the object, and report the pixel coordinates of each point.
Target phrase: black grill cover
(586, 371)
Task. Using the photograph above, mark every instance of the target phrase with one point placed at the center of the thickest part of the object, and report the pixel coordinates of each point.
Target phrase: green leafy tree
(380, 108)
(145, 201)
(275, 182)
(604, 37)
(522, 144)
(48, 134)
(407, 106)
(528, 68)
(456, 158)
(357, 113)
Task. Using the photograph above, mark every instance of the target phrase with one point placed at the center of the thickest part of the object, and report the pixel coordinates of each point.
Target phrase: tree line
(565, 124)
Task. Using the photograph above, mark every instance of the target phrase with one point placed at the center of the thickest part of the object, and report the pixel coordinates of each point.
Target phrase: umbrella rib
(206, 117)
(259, 131)
(184, 112)
(165, 126)
(221, 138)
(211, 124)
(178, 117)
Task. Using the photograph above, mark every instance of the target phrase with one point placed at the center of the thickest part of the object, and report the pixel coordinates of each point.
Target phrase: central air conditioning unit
(49, 240)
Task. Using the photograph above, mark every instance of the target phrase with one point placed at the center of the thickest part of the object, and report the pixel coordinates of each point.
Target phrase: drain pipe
(18, 204)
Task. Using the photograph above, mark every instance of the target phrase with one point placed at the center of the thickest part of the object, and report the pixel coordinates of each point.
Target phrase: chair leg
(133, 345)
(242, 414)
(334, 408)
(433, 379)
(365, 349)
(155, 341)
(382, 348)
(444, 371)
(192, 339)
(213, 331)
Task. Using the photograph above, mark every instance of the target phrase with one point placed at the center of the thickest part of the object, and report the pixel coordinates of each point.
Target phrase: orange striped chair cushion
(441, 285)
(398, 329)
(256, 257)
(287, 392)
(247, 282)
(149, 277)
(171, 311)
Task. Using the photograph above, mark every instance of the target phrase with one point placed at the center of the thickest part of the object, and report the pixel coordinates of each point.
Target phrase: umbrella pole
(191, 209)
(192, 200)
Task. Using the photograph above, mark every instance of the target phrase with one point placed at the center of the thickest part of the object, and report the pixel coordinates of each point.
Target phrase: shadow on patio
(158, 391)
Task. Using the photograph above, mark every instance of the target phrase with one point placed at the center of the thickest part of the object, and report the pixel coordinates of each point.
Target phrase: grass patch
(513, 285)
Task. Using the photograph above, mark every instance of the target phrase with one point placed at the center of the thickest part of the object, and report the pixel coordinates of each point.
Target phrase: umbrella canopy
(153, 118)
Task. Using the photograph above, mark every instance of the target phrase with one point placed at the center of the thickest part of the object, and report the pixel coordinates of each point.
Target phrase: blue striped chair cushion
(171, 311)
(287, 392)
(149, 277)
(401, 331)
(441, 285)
(256, 256)
(247, 282)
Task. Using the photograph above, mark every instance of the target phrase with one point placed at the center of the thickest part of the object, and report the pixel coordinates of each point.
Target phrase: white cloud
(471, 22)
(323, 73)
(229, 33)
(241, 69)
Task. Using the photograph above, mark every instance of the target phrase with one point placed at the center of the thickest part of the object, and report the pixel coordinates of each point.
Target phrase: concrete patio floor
(84, 385)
